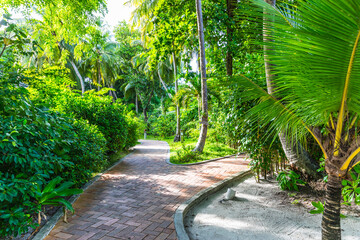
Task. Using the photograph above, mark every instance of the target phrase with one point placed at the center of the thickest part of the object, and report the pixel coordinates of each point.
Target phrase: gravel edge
(206, 161)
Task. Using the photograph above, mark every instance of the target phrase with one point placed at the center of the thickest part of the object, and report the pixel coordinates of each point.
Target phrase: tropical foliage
(280, 83)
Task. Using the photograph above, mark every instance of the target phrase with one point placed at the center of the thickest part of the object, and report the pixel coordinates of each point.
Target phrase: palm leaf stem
(340, 121)
(346, 164)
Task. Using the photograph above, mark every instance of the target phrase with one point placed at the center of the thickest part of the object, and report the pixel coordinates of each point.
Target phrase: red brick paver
(138, 197)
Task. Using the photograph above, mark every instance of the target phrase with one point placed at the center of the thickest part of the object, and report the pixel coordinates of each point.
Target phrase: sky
(117, 12)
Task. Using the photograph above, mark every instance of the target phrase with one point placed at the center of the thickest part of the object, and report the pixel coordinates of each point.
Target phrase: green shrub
(135, 129)
(50, 88)
(186, 154)
(16, 204)
(85, 146)
(48, 143)
(36, 146)
(289, 180)
(351, 189)
(164, 126)
(109, 117)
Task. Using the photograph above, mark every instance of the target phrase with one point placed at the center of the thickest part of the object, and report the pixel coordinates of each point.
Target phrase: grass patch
(181, 153)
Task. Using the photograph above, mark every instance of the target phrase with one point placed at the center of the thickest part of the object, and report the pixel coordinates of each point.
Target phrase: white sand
(256, 213)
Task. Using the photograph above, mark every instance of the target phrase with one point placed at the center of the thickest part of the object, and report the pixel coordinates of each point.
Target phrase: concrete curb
(49, 225)
(197, 163)
(184, 208)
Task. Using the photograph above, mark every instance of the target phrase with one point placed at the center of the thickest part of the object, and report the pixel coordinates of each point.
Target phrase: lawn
(181, 152)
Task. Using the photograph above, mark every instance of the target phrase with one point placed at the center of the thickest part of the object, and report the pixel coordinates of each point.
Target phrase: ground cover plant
(181, 152)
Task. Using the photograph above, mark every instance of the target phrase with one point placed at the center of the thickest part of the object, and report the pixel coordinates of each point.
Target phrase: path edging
(184, 208)
(49, 225)
(202, 162)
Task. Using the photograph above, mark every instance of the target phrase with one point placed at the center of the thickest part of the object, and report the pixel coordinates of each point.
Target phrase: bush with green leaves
(22, 198)
(186, 154)
(49, 143)
(289, 180)
(37, 145)
(135, 129)
(351, 188)
(17, 207)
(51, 87)
(164, 126)
(109, 117)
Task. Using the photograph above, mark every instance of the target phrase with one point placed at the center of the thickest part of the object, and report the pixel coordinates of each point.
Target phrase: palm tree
(297, 155)
(204, 118)
(315, 93)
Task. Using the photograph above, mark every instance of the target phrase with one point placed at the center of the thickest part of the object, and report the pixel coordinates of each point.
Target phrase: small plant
(351, 189)
(186, 154)
(319, 207)
(52, 195)
(289, 180)
(322, 168)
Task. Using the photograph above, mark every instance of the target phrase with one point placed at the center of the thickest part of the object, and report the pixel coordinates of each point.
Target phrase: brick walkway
(138, 197)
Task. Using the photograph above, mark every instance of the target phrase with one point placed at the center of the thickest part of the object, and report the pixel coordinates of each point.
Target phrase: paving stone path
(138, 197)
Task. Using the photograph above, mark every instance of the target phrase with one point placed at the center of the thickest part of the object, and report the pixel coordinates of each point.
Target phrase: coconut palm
(204, 95)
(316, 89)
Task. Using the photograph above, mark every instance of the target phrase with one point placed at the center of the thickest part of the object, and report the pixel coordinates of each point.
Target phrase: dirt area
(263, 211)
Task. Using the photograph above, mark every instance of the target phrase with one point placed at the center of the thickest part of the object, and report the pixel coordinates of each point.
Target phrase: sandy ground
(258, 213)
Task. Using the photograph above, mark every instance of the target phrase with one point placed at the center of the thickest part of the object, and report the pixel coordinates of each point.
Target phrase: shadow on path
(138, 197)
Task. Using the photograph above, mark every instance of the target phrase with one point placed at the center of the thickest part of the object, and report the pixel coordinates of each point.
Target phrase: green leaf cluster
(289, 180)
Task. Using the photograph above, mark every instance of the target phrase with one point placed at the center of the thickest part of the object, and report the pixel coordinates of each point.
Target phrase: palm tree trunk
(112, 93)
(177, 137)
(299, 157)
(79, 76)
(331, 218)
(164, 85)
(230, 7)
(204, 118)
(199, 110)
(294, 152)
(145, 114)
(99, 74)
(269, 75)
(136, 104)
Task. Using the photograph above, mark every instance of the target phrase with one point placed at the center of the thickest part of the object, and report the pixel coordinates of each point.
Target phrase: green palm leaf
(314, 52)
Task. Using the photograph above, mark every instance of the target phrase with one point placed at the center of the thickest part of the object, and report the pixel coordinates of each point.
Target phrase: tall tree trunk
(112, 93)
(146, 105)
(164, 85)
(79, 76)
(2, 51)
(136, 103)
(99, 74)
(269, 75)
(199, 110)
(230, 7)
(61, 47)
(330, 225)
(204, 118)
(294, 152)
(145, 114)
(177, 137)
(298, 157)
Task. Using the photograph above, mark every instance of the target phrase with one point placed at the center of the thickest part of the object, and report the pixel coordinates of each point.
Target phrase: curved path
(138, 197)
